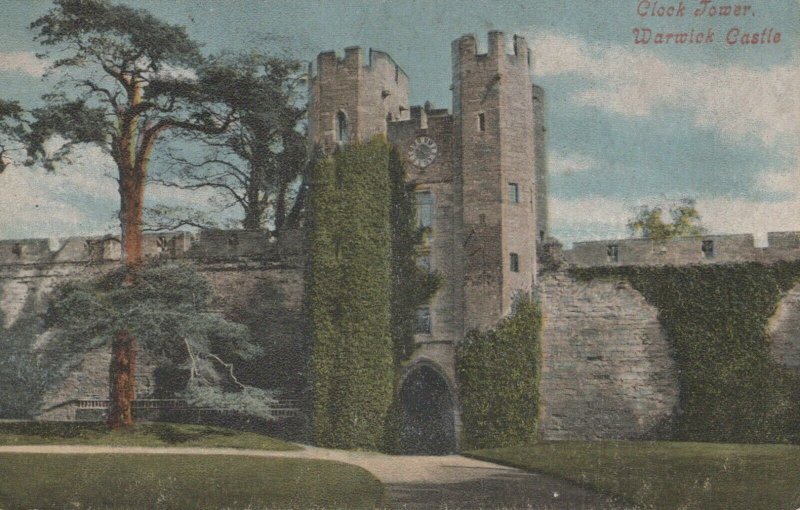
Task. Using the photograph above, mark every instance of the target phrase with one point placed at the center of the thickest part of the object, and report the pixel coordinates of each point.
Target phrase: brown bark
(123, 383)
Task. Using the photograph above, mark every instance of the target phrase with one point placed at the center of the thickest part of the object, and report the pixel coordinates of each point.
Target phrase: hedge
(715, 318)
(498, 373)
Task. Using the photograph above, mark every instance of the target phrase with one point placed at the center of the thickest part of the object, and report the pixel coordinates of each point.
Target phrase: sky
(628, 124)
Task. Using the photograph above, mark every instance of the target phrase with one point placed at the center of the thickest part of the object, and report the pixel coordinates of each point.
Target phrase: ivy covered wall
(715, 318)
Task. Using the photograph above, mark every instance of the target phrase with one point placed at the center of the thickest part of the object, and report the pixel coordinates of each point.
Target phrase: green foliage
(498, 373)
(715, 318)
(166, 308)
(412, 285)
(257, 163)
(348, 296)
(684, 221)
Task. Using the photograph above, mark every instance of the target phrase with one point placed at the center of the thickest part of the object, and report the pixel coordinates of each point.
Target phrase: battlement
(353, 59)
(709, 249)
(216, 245)
(465, 49)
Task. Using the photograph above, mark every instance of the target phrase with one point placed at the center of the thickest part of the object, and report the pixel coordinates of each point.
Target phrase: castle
(480, 176)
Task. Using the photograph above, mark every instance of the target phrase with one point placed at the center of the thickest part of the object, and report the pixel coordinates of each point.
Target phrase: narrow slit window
(481, 122)
(613, 252)
(341, 126)
(708, 248)
(514, 263)
(424, 209)
(423, 321)
(513, 192)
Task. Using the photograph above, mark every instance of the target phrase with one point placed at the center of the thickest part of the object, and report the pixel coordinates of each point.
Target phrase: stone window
(423, 321)
(424, 209)
(612, 251)
(708, 248)
(481, 122)
(424, 261)
(514, 263)
(513, 192)
(341, 126)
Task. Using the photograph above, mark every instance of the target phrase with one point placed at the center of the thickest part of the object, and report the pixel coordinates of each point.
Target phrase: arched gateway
(428, 407)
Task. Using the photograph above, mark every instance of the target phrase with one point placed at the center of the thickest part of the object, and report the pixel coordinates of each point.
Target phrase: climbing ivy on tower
(412, 285)
(715, 317)
(363, 287)
(348, 295)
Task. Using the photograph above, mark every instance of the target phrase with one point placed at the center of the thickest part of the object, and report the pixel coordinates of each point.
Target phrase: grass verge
(667, 475)
(145, 434)
(121, 481)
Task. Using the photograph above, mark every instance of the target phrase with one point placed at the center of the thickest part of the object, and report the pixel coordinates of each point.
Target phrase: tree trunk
(131, 215)
(122, 372)
(123, 382)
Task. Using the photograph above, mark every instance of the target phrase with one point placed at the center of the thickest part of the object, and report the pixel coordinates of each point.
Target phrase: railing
(282, 410)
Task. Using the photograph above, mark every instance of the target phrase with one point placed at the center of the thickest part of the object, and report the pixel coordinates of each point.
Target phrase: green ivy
(715, 317)
(412, 286)
(348, 293)
(498, 373)
(363, 288)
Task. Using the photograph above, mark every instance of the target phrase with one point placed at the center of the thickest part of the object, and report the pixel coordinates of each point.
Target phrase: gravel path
(415, 482)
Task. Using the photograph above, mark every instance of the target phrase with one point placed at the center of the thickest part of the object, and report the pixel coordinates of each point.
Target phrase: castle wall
(607, 368)
(265, 295)
(681, 251)
(784, 330)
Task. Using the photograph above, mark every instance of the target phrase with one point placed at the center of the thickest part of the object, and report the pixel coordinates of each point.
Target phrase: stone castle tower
(479, 188)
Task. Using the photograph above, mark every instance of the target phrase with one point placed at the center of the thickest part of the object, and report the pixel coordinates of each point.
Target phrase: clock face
(422, 151)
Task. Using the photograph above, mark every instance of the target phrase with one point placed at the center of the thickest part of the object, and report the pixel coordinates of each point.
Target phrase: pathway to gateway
(415, 482)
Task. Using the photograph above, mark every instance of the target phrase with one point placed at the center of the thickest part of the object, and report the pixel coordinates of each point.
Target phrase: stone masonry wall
(607, 371)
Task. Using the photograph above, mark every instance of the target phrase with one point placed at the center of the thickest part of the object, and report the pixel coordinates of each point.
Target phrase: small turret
(350, 100)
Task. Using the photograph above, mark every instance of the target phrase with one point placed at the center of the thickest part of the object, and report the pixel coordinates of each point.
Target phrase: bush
(498, 373)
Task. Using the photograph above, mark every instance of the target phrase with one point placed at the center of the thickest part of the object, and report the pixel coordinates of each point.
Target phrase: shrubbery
(498, 373)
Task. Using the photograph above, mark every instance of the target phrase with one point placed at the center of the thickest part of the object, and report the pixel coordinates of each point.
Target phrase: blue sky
(627, 124)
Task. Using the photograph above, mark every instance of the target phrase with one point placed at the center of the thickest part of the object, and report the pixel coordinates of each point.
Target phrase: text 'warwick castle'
(480, 176)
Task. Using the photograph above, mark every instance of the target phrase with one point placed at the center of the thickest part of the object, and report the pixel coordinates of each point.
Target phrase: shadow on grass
(502, 489)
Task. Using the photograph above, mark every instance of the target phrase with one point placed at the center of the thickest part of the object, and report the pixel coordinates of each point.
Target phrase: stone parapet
(709, 249)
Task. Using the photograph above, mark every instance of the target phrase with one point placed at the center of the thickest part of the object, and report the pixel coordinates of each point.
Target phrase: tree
(138, 78)
(167, 312)
(13, 128)
(257, 163)
(684, 221)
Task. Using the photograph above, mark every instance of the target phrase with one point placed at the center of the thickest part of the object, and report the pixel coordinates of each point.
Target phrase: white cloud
(22, 62)
(559, 163)
(737, 100)
(79, 198)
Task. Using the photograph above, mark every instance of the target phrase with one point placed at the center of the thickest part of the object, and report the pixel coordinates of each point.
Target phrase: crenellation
(703, 249)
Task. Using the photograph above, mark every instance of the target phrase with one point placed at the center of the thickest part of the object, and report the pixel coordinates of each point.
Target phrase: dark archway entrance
(428, 414)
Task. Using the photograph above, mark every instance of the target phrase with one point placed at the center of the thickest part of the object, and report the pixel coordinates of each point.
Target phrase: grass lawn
(145, 434)
(665, 475)
(118, 481)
